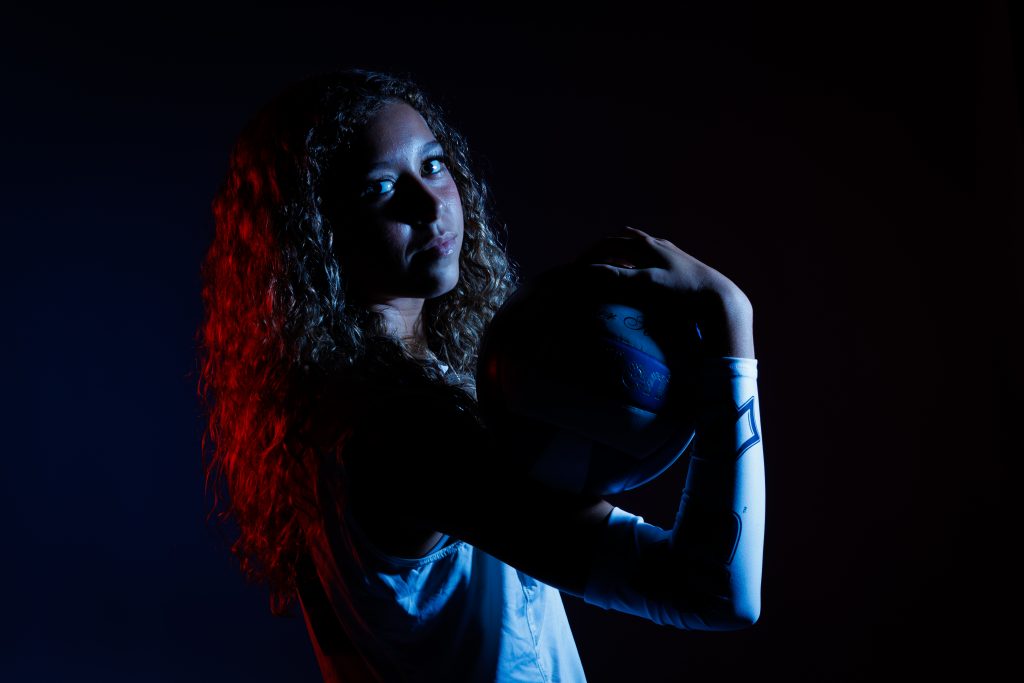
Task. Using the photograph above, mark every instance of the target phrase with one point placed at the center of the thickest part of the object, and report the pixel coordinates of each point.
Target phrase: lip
(442, 244)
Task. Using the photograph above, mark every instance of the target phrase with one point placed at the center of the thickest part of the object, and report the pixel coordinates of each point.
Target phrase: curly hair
(282, 342)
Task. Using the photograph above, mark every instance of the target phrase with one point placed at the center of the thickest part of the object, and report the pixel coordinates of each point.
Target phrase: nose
(422, 204)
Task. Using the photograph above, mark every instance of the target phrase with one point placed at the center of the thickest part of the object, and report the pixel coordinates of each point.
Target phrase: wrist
(727, 414)
(727, 328)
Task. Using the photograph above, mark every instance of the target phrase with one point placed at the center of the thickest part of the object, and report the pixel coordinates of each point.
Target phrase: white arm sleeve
(705, 573)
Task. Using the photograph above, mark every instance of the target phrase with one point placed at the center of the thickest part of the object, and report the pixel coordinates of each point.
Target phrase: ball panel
(581, 385)
(625, 324)
(600, 416)
(564, 462)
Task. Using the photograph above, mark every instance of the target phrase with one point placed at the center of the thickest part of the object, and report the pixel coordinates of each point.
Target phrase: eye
(436, 164)
(432, 166)
(376, 188)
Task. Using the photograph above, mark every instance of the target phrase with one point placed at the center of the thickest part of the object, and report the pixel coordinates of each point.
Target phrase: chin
(445, 290)
(445, 286)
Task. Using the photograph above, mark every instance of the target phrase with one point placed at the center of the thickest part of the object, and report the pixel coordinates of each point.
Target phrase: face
(400, 197)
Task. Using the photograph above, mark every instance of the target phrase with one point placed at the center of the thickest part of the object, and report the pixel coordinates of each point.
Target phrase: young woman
(354, 268)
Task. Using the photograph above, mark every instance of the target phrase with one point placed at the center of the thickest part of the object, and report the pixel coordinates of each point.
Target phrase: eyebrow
(387, 162)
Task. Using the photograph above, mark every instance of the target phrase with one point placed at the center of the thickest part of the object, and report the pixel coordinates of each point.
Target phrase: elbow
(744, 602)
(732, 620)
(727, 601)
(737, 614)
(746, 610)
(746, 616)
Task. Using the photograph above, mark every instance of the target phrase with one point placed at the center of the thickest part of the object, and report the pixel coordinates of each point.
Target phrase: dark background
(853, 166)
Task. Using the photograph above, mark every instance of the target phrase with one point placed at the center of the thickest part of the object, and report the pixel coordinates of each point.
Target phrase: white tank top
(456, 614)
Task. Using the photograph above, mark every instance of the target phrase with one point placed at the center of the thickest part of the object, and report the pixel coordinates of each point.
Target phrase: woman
(353, 270)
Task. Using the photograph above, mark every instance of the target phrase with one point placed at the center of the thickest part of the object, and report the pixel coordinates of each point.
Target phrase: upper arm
(443, 470)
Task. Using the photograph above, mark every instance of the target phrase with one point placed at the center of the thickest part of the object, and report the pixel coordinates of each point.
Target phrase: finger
(621, 251)
(627, 231)
(635, 287)
(610, 269)
(611, 279)
(660, 240)
(619, 261)
(638, 231)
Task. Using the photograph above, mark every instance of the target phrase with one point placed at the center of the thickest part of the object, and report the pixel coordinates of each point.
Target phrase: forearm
(718, 534)
(704, 573)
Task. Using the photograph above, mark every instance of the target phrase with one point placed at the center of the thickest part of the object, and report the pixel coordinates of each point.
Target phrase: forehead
(396, 131)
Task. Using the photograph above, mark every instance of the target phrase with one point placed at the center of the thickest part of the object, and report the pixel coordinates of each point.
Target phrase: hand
(652, 269)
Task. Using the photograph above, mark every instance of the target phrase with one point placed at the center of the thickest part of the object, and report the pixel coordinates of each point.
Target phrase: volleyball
(578, 385)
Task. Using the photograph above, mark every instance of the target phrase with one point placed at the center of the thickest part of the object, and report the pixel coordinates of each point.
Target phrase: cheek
(375, 250)
(453, 199)
(378, 236)
(391, 246)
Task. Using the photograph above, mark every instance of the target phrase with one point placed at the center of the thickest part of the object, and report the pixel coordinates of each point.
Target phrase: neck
(404, 319)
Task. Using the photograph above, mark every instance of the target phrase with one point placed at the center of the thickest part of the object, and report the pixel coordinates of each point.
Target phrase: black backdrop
(854, 167)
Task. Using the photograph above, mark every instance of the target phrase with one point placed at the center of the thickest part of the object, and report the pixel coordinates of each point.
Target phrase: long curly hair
(283, 347)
